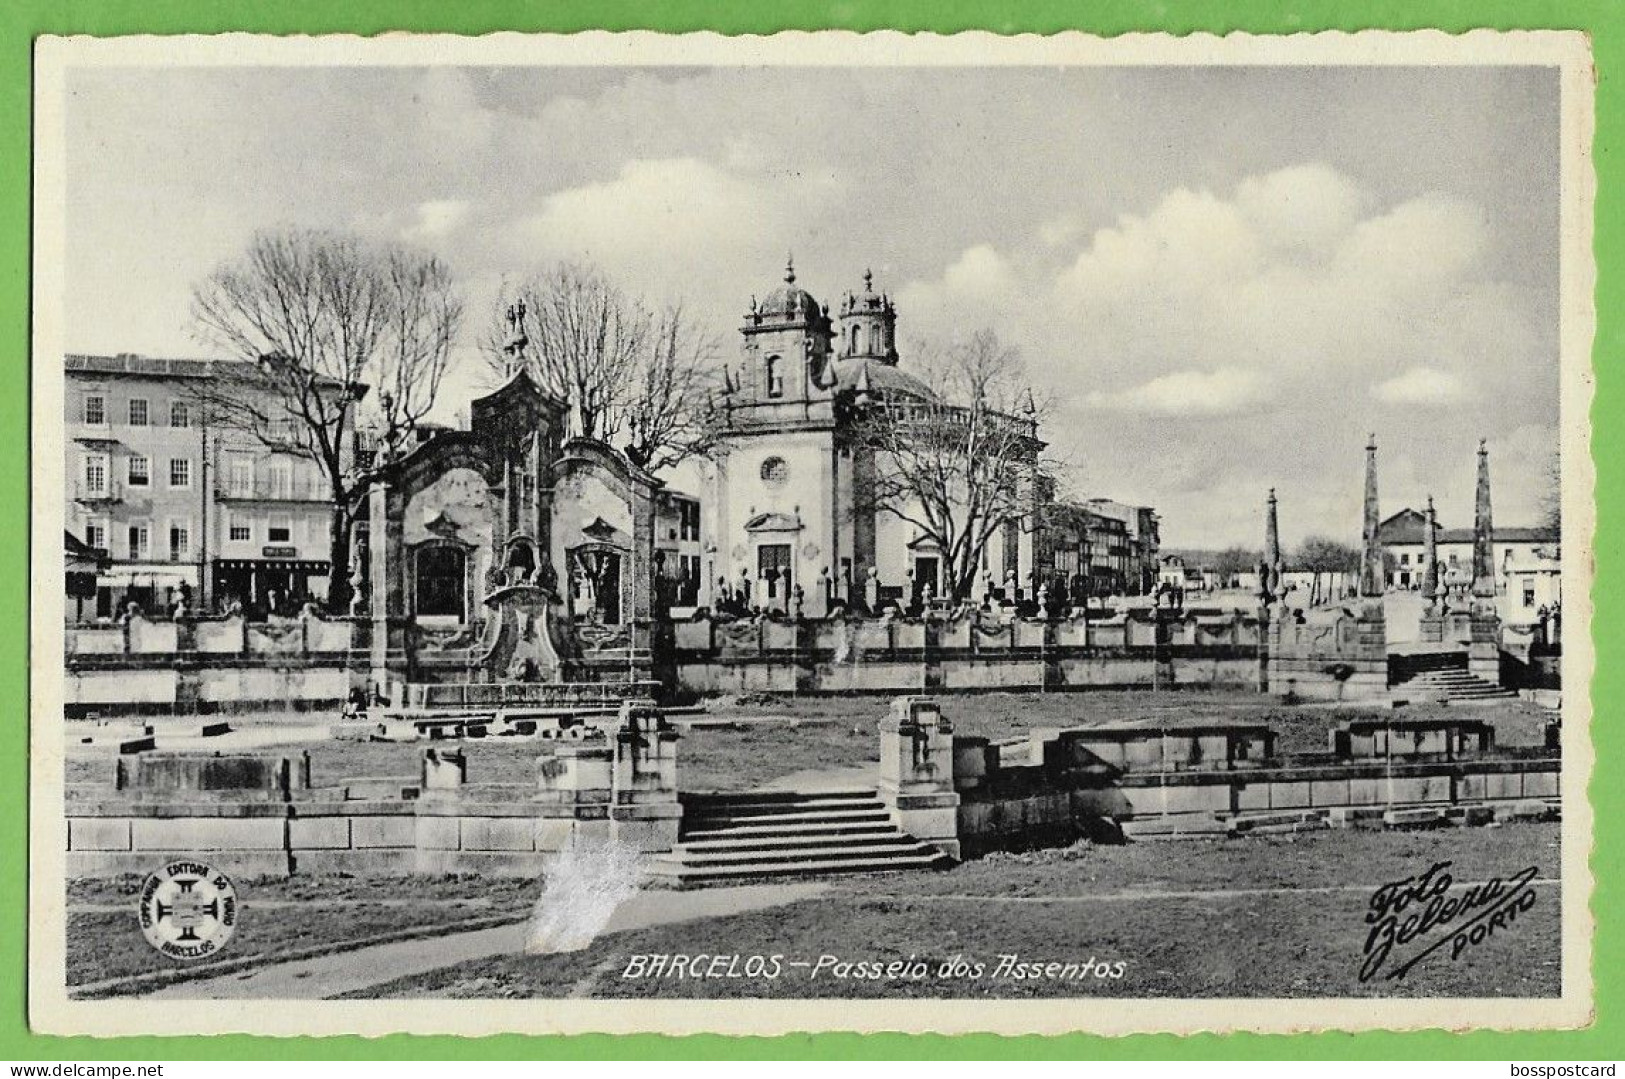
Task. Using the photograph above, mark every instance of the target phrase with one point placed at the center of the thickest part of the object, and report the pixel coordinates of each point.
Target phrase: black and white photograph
(815, 532)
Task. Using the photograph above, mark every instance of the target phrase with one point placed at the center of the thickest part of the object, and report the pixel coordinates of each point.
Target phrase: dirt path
(347, 972)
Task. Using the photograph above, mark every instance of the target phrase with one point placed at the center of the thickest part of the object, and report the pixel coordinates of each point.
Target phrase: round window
(775, 471)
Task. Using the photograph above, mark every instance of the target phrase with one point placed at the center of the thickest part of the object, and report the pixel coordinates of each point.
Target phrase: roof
(80, 553)
(133, 365)
(882, 377)
(1410, 526)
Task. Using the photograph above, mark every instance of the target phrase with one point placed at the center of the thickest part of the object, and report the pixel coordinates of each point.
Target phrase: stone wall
(966, 653)
(1339, 655)
(258, 815)
(1056, 786)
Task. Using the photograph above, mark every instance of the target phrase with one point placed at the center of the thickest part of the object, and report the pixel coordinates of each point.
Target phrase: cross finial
(790, 269)
(1483, 447)
(1371, 442)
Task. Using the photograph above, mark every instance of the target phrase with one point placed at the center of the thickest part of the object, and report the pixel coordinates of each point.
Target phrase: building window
(1404, 559)
(140, 541)
(280, 530)
(96, 535)
(95, 408)
(775, 472)
(96, 475)
(138, 412)
(180, 540)
(1529, 595)
(281, 479)
(240, 477)
(689, 522)
(180, 414)
(240, 531)
(139, 475)
(775, 378)
(180, 472)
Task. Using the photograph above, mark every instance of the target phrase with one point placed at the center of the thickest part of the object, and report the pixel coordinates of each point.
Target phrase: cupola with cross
(868, 325)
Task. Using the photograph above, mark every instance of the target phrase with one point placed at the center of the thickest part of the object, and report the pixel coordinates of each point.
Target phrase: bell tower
(868, 325)
(787, 346)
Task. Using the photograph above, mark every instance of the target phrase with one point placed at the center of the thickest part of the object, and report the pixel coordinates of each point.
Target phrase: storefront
(275, 584)
(153, 587)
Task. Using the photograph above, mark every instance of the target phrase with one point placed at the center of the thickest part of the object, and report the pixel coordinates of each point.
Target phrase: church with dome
(790, 488)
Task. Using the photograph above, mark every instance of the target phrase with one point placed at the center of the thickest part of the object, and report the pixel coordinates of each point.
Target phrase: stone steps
(1453, 685)
(731, 837)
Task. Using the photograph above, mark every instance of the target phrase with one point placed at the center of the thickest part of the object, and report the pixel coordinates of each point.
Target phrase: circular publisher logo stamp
(188, 910)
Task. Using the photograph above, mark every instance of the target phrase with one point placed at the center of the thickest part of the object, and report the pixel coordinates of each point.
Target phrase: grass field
(281, 918)
(1259, 917)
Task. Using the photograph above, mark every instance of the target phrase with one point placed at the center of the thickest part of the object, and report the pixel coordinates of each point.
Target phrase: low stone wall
(257, 815)
(1336, 657)
(1058, 785)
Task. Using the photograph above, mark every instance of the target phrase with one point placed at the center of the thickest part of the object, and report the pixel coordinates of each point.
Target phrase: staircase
(1451, 685)
(732, 837)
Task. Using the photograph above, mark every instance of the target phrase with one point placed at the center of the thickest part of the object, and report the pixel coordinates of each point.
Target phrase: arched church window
(775, 377)
(854, 349)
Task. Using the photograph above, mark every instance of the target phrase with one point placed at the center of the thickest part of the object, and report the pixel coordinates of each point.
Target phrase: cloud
(1187, 393)
(1421, 386)
(435, 219)
(1295, 310)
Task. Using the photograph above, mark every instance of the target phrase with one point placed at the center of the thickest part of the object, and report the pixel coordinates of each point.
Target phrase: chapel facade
(790, 499)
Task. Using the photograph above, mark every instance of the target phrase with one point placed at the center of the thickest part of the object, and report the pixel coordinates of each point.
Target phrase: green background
(22, 20)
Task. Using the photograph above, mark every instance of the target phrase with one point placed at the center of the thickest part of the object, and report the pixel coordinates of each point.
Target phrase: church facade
(790, 499)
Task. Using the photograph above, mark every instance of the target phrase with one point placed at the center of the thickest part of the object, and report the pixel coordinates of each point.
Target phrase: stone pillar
(1484, 650)
(1372, 575)
(386, 592)
(443, 771)
(573, 791)
(917, 772)
(644, 811)
(1272, 550)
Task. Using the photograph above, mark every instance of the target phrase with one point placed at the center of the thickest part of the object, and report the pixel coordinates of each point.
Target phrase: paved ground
(347, 972)
(812, 780)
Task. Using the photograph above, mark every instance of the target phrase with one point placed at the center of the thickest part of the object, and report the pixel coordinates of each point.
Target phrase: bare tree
(320, 319)
(635, 379)
(584, 338)
(667, 412)
(1321, 556)
(1551, 497)
(961, 463)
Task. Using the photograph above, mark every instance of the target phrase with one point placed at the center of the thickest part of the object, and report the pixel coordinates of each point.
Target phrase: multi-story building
(1528, 561)
(1142, 533)
(182, 503)
(677, 544)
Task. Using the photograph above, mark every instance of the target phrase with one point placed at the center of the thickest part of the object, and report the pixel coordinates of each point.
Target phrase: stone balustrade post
(917, 772)
(645, 813)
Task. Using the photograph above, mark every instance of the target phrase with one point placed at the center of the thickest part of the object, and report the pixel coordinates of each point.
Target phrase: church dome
(876, 376)
(788, 301)
(868, 301)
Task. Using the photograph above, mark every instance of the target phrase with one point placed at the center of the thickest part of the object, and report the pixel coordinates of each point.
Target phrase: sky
(1223, 278)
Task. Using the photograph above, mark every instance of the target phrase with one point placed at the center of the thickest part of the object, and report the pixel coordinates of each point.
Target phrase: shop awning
(148, 576)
